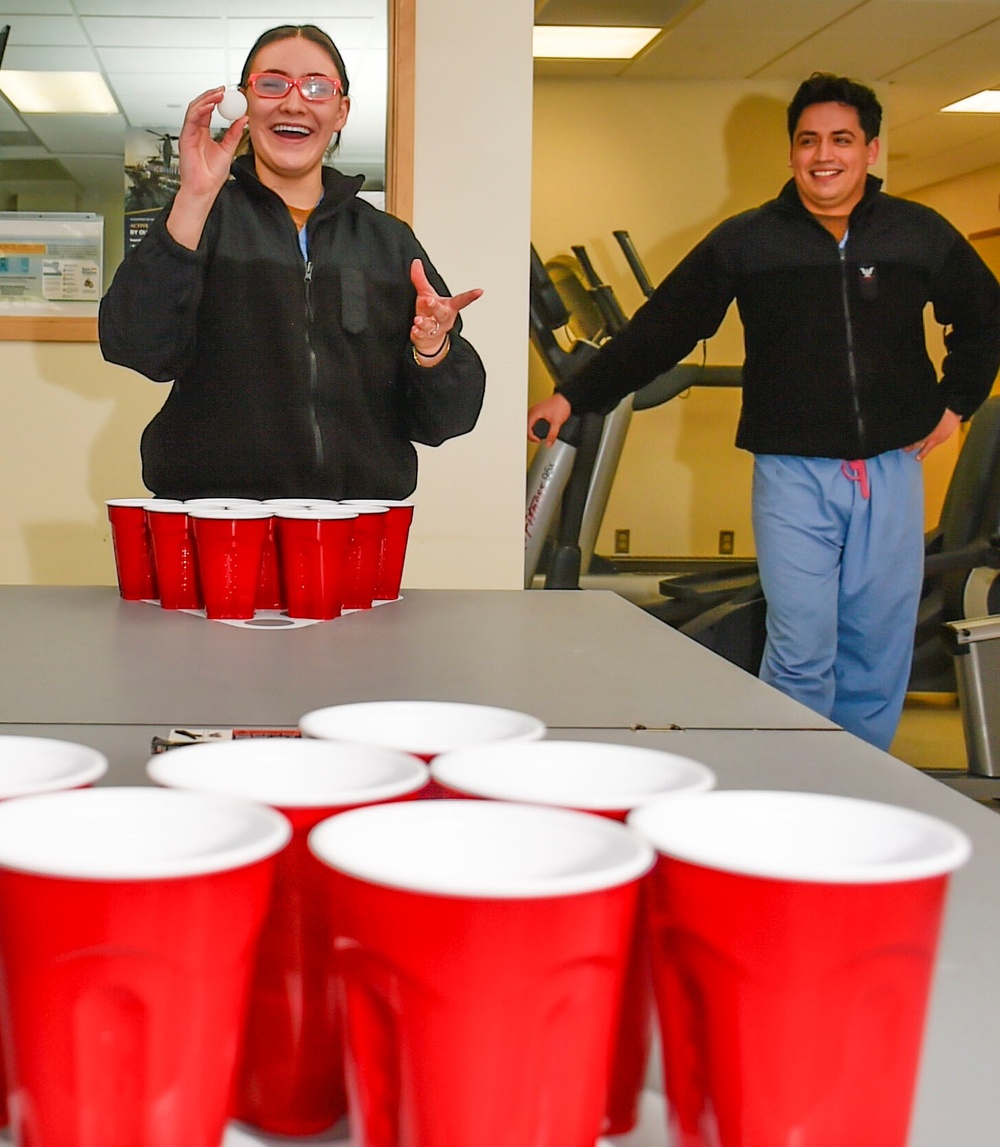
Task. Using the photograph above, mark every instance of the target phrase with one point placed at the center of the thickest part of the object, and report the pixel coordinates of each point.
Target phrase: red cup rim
(230, 513)
(44, 764)
(422, 727)
(597, 775)
(492, 850)
(818, 838)
(137, 833)
(303, 502)
(168, 508)
(314, 513)
(390, 502)
(291, 773)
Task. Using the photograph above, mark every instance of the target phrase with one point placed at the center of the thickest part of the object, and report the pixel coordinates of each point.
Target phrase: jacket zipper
(318, 451)
(852, 366)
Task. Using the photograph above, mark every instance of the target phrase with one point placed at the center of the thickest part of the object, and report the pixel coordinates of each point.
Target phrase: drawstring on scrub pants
(857, 472)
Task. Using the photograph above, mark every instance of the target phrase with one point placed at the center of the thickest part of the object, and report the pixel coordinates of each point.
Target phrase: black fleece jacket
(836, 364)
(288, 379)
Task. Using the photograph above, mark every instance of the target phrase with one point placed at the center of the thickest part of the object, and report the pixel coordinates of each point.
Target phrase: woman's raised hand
(204, 167)
(204, 161)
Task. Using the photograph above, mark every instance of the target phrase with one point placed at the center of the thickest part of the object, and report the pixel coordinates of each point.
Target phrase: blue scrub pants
(840, 551)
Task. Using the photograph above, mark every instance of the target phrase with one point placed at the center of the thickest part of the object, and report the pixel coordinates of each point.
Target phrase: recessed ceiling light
(986, 101)
(568, 42)
(58, 93)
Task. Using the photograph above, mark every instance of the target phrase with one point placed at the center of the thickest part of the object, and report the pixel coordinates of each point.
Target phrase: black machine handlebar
(632, 257)
(569, 432)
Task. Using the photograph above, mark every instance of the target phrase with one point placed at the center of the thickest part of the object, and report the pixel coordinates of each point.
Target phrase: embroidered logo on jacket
(868, 282)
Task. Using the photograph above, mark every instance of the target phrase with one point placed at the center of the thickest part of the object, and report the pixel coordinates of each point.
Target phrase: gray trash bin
(976, 648)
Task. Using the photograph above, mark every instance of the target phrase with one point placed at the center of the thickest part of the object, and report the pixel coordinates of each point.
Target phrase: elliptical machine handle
(569, 432)
(634, 262)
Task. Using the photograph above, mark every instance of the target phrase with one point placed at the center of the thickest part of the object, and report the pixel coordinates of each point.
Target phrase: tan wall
(971, 203)
(665, 161)
(71, 423)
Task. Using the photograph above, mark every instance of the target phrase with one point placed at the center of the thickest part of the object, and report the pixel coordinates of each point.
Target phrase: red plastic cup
(793, 938)
(393, 557)
(128, 919)
(290, 1075)
(365, 556)
(31, 765)
(423, 728)
(608, 780)
(174, 555)
(314, 544)
(133, 552)
(481, 947)
(230, 543)
(270, 594)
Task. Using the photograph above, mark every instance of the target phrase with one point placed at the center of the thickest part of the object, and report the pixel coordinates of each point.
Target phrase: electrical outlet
(727, 541)
(622, 541)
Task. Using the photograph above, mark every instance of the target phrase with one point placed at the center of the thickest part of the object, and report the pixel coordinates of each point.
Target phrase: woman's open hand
(435, 314)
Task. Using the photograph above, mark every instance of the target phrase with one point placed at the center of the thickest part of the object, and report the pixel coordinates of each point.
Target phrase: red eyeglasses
(272, 86)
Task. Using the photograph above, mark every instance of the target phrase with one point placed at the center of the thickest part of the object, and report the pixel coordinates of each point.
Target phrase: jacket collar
(789, 199)
(338, 188)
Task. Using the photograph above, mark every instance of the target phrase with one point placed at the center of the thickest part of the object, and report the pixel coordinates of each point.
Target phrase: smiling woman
(309, 340)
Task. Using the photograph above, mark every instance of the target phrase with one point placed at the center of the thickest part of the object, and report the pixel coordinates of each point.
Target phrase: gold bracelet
(418, 355)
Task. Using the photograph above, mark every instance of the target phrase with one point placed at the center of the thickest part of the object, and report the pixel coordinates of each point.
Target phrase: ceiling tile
(78, 134)
(143, 32)
(51, 59)
(42, 30)
(198, 61)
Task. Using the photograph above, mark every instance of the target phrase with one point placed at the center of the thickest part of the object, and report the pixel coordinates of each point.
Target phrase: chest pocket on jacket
(354, 300)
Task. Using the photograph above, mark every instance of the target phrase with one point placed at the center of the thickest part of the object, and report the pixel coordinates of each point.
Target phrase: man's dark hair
(826, 88)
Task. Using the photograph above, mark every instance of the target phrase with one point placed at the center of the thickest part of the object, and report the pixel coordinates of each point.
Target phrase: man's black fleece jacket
(836, 364)
(288, 379)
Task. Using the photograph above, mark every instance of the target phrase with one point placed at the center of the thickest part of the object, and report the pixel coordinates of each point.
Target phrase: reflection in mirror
(155, 58)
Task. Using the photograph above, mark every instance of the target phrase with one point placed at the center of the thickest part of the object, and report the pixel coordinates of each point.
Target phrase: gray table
(82, 656)
(80, 664)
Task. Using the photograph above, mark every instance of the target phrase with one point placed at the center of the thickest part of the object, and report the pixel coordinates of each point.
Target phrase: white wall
(69, 435)
(472, 211)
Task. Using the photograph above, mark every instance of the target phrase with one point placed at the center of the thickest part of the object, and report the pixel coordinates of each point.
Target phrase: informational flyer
(152, 177)
(49, 257)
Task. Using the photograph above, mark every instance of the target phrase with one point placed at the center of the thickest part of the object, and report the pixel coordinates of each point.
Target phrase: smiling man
(841, 401)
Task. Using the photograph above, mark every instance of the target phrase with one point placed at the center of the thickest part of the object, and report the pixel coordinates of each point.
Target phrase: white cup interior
(422, 727)
(231, 513)
(167, 508)
(304, 502)
(481, 849)
(390, 502)
(813, 837)
(317, 512)
(576, 774)
(223, 502)
(291, 773)
(129, 501)
(136, 833)
(39, 764)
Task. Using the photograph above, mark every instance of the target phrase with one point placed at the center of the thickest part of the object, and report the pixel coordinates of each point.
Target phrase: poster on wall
(152, 177)
(50, 262)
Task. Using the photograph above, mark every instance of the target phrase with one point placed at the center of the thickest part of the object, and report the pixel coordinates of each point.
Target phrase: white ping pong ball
(232, 105)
